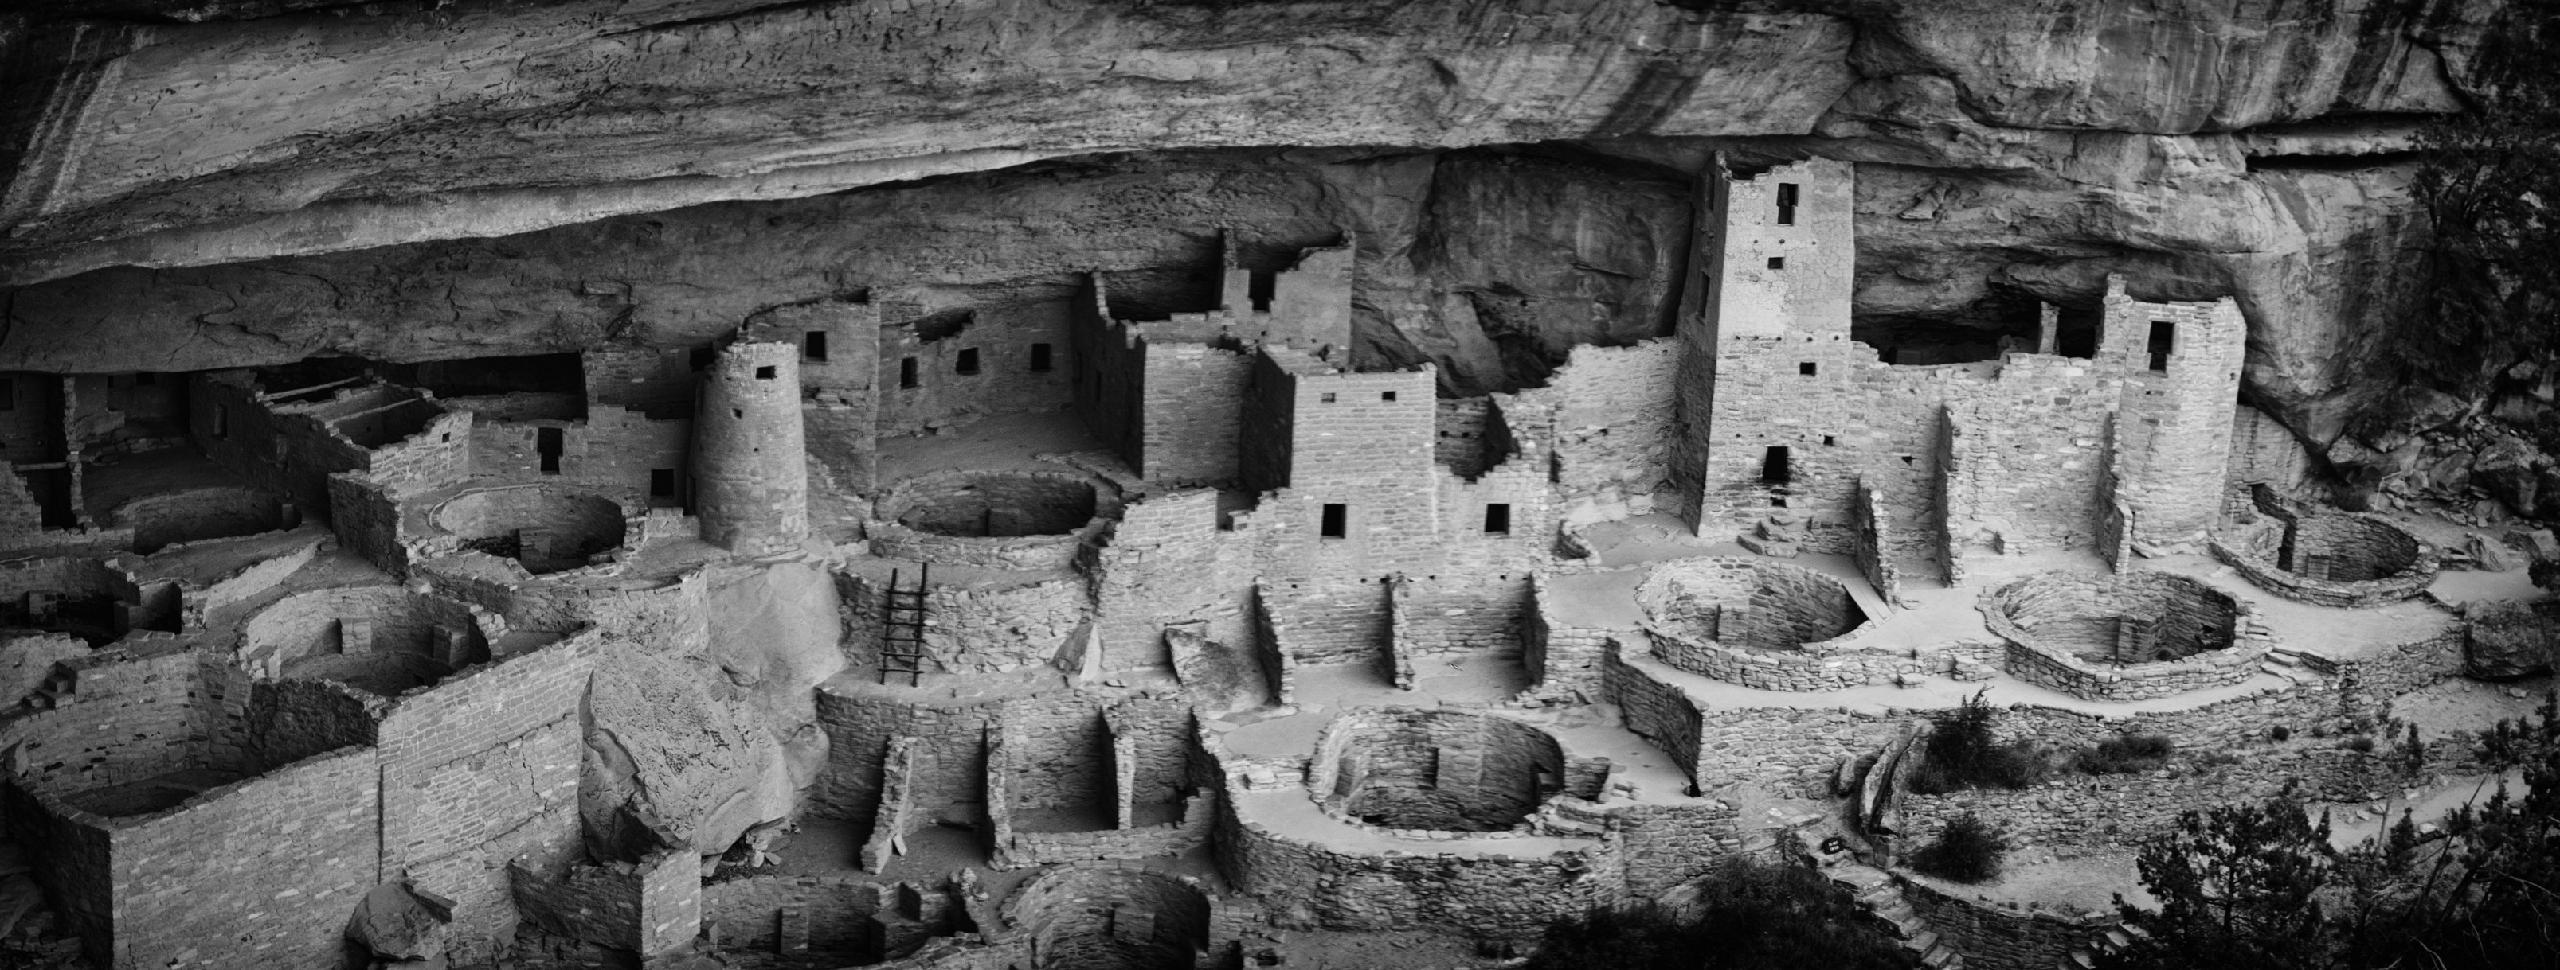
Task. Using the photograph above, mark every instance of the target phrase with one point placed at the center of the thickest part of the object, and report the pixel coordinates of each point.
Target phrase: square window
(1777, 262)
(1327, 397)
(1337, 521)
(1828, 441)
(1387, 395)
(968, 363)
(765, 373)
(1497, 519)
(662, 482)
(1040, 362)
(814, 346)
(1807, 369)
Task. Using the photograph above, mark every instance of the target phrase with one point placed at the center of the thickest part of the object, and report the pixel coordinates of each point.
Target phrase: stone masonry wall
(1167, 562)
(1614, 426)
(483, 768)
(611, 452)
(301, 848)
(68, 852)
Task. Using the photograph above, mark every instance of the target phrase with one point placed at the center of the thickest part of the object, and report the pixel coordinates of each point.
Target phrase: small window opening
(1260, 288)
(1786, 203)
(1386, 395)
(546, 442)
(765, 373)
(662, 483)
(1807, 369)
(222, 421)
(1497, 518)
(1040, 362)
(1326, 397)
(968, 363)
(1777, 262)
(1828, 441)
(2164, 338)
(907, 372)
(1337, 521)
(814, 346)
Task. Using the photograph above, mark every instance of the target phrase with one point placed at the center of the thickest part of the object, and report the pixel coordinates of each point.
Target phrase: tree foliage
(2261, 887)
(2491, 187)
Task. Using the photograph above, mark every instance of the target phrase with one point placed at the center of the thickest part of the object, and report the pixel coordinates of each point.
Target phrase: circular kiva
(1748, 603)
(546, 529)
(1111, 919)
(993, 504)
(1435, 770)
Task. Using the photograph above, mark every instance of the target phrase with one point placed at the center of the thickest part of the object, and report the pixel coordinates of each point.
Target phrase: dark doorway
(1337, 521)
(2164, 338)
(1773, 466)
(546, 442)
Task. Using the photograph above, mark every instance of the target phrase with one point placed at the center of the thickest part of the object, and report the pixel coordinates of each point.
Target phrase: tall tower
(750, 456)
(1771, 270)
(2181, 363)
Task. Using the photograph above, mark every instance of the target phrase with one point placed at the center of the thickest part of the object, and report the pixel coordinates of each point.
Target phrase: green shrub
(1967, 850)
(1961, 754)
(2125, 754)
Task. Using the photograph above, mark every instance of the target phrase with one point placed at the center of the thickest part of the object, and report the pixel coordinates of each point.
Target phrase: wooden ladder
(902, 627)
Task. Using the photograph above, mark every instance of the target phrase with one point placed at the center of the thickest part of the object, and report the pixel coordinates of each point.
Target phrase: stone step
(1942, 957)
(1921, 942)
(2081, 960)
(2117, 939)
(1768, 547)
(2294, 674)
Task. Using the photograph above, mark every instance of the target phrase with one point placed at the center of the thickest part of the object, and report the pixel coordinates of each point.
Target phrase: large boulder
(674, 758)
(2506, 641)
(399, 923)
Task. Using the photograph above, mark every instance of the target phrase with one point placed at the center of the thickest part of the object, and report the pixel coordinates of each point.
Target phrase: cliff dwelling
(974, 486)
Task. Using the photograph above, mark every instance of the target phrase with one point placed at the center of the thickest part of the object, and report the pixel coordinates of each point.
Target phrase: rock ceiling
(204, 184)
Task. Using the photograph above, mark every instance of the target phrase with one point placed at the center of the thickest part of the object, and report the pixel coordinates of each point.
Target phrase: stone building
(790, 644)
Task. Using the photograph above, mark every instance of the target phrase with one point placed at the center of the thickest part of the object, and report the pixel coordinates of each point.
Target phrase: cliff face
(255, 182)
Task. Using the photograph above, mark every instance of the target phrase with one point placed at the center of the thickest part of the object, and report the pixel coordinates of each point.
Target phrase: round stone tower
(750, 458)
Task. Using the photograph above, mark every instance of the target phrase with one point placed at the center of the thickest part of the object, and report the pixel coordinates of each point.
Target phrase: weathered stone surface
(671, 752)
(395, 922)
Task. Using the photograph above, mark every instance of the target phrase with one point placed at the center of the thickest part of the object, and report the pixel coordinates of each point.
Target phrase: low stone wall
(1997, 938)
(1308, 883)
(1968, 660)
(648, 907)
(2050, 621)
(896, 815)
(2092, 812)
(192, 514)
(838, 918)
(1017, 849)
